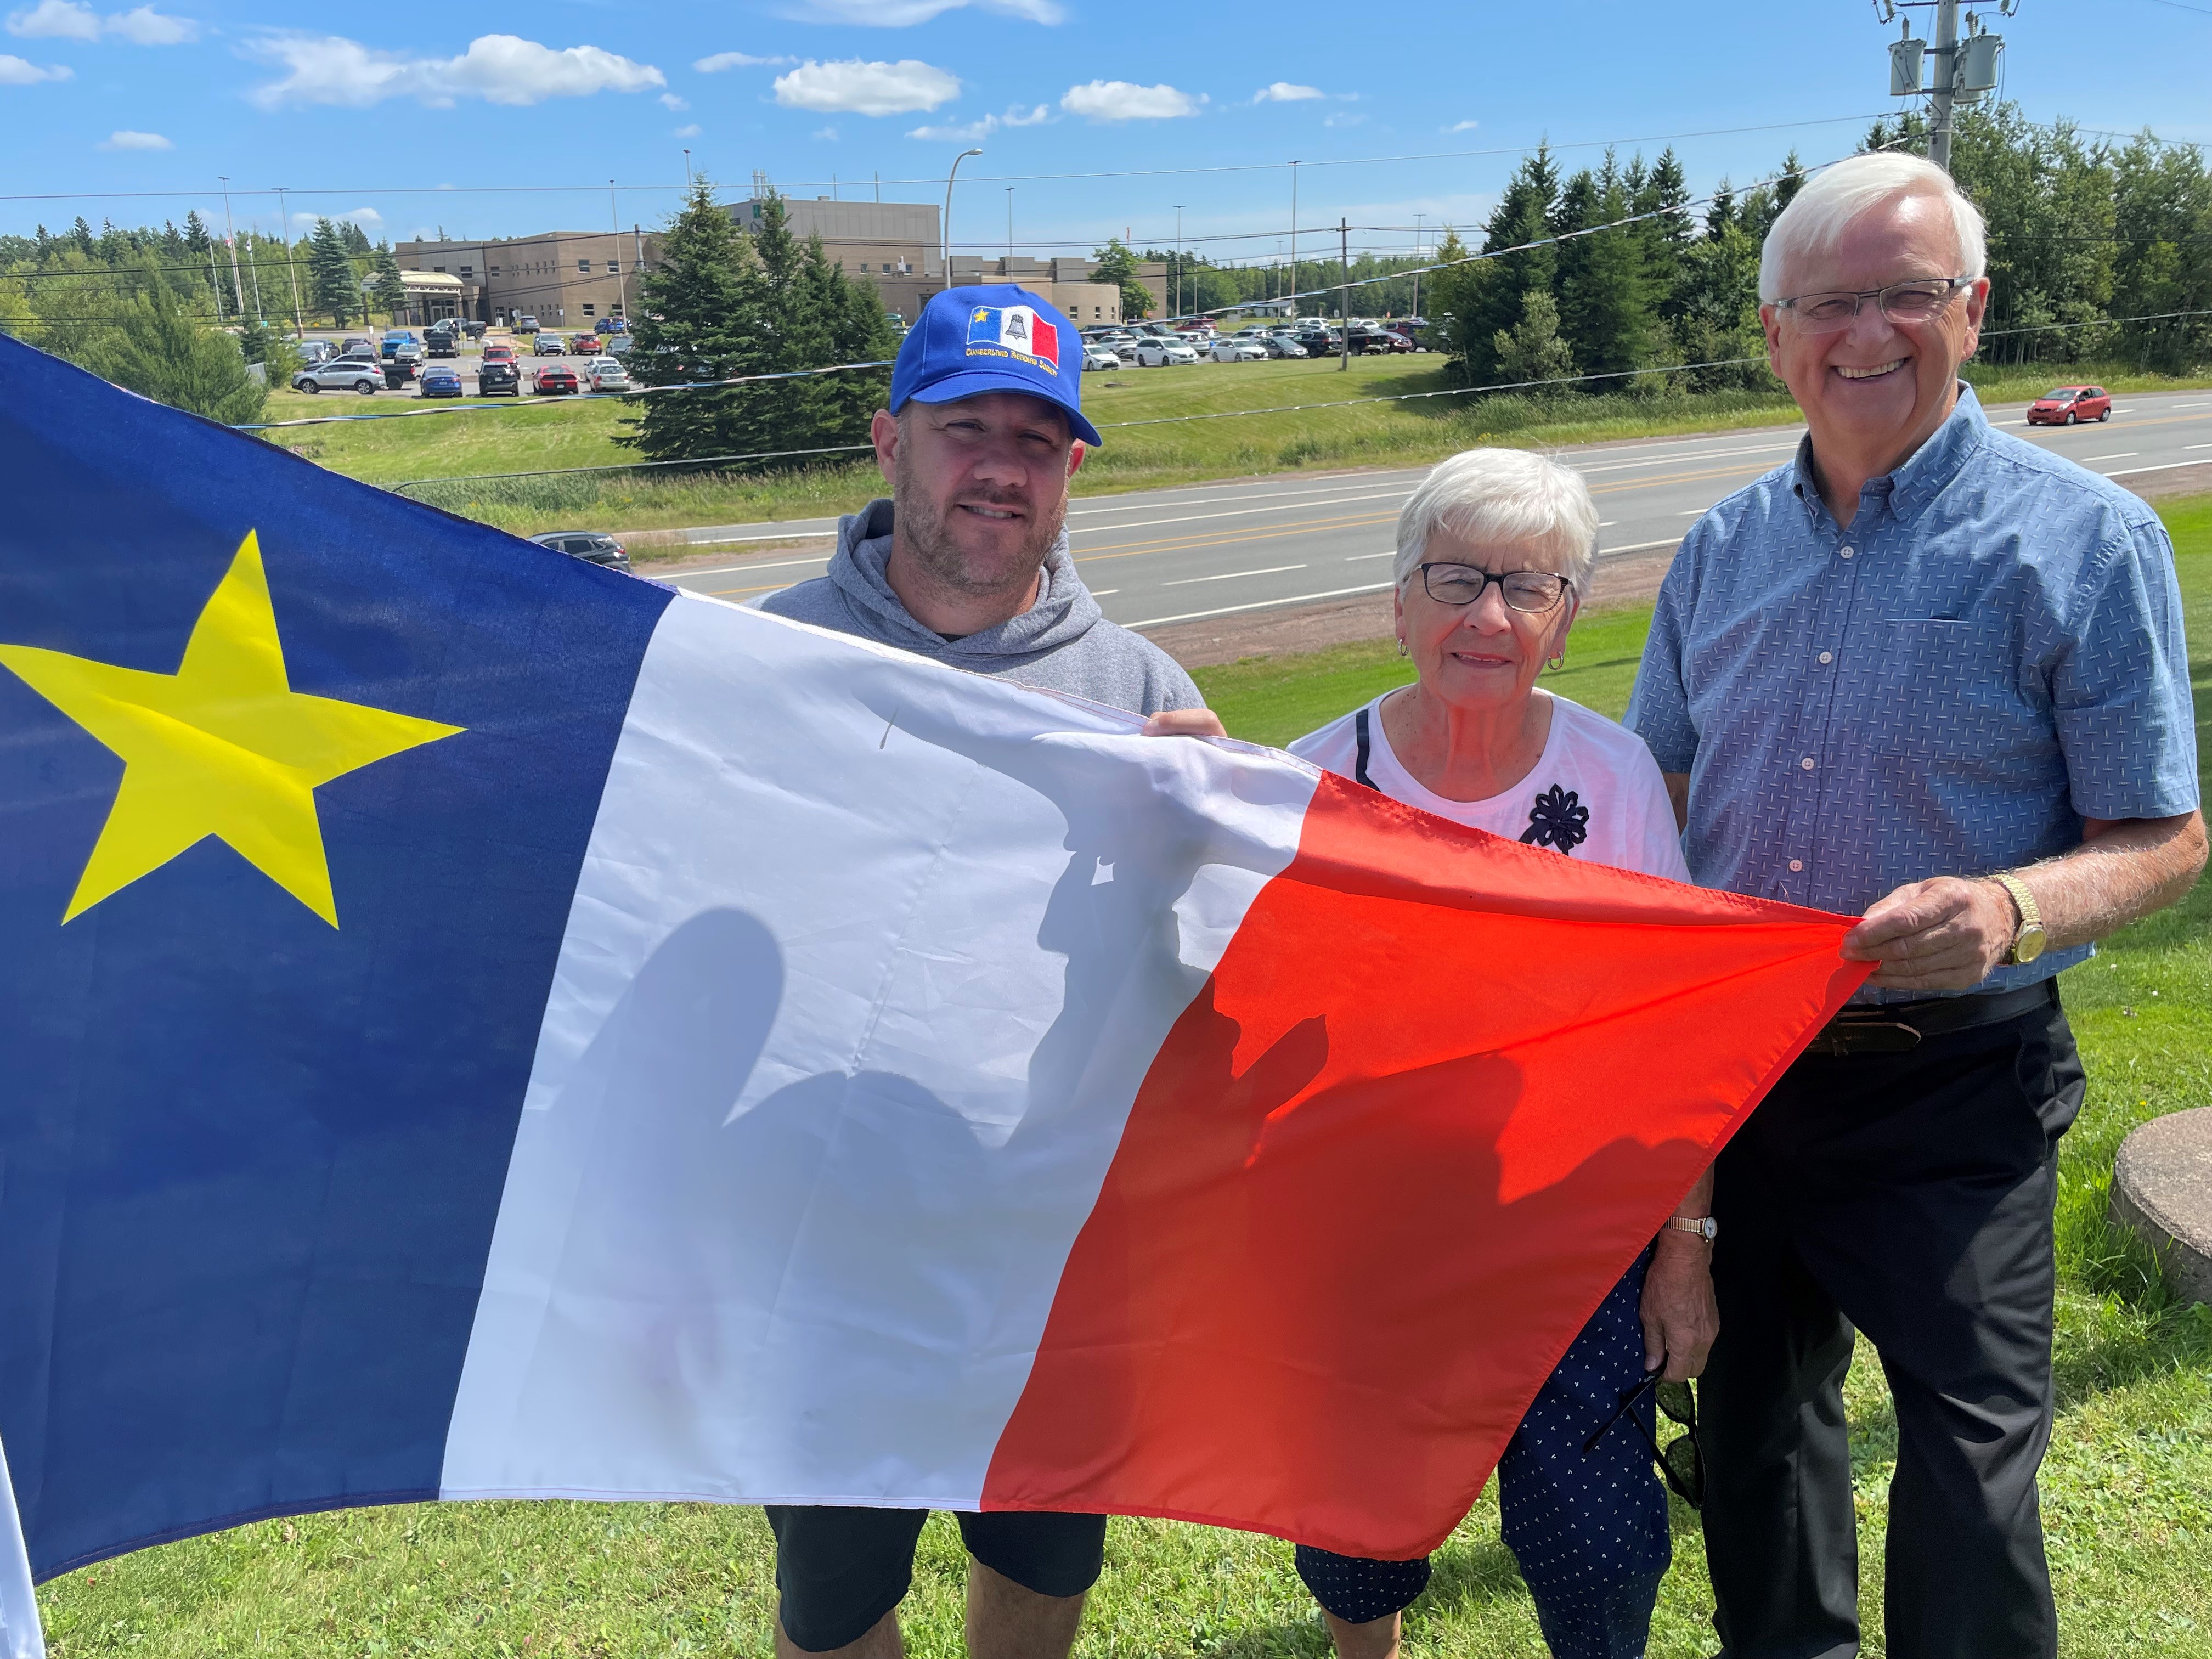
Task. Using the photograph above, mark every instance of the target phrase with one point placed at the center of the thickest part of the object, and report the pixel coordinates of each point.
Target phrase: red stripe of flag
(1440, 1091)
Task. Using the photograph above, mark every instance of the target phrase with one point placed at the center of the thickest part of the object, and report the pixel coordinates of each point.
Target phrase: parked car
(526, 325)
(316, 351)
(440, 381)
(361, 375)
(1097, 356)
(592, 546)
(395, 338)
(1238, 350)
(607, 375)
(1158, 353)
(442, 343)
(1394, 341)
(555, 379)
(474, 330)
(617, 345)
(549, 345)
(1283, 346)
(1197, 339)
(498, 376)
(354, 342)
(1318, 342)
(499, 351)
(2062, 405)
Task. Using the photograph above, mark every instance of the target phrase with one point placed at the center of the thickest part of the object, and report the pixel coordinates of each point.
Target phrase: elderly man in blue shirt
(1930, 673)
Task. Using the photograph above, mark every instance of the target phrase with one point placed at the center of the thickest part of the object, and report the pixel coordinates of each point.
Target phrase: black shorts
(838, 1570)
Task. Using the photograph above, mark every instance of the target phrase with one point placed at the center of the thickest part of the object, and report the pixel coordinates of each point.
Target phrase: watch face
(2029, 945)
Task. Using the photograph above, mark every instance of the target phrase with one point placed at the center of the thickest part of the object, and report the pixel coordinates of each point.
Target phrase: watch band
(2031, 932)
(1702, 1226)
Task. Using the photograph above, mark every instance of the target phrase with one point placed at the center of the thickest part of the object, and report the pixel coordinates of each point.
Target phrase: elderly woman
(1495, 550)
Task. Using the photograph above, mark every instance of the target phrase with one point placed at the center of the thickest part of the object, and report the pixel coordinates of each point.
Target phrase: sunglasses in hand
(1679, 1460)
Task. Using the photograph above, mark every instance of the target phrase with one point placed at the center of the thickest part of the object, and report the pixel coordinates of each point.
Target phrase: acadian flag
(1017, 329)
(480, 1024)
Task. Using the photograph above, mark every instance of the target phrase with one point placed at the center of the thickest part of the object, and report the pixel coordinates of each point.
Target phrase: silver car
(607, 374)
(1239, 350)
(1156, 353)
(361, 374)
(1097, 356)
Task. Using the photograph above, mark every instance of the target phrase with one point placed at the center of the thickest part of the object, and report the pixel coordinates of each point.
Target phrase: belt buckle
(1868, 1036)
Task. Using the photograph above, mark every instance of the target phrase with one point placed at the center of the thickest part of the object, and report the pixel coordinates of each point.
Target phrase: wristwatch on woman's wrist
(1702, 1226)
(2027, 943)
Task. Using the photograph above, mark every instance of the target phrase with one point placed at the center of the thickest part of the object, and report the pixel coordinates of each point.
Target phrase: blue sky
(372, 111)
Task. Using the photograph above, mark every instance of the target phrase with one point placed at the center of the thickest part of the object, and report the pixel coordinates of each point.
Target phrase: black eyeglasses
(1532, 591)
(1680, 1460)
(1915, 301)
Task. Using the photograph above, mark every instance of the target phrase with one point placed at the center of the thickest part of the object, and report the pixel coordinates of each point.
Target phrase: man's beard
(924, 533)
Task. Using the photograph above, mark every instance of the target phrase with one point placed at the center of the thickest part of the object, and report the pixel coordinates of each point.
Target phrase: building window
(468, 270)
(583, 267)
(614, 267)
(494, 269)
(587, 310)
(438, 268)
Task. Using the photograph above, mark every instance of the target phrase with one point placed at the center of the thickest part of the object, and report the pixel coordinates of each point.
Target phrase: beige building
(564, 278)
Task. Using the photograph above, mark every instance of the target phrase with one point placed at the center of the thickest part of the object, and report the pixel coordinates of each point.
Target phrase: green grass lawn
(2127, 1486)
(529, 435)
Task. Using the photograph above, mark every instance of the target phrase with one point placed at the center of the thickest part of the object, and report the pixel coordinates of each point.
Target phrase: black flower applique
(1558, 819)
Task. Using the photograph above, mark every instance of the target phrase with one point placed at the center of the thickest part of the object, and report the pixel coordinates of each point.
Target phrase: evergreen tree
(81, 234)
(1488, 298)
(696, 319)
(1663, 193)
(158, 350)
(356, 240)
(330, 280)
(858, 332)
(391, 286)
(1604, 298)
(196, 233)
(1532, 349)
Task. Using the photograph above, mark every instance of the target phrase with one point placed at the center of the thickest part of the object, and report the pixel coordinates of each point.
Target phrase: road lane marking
(1354, 558)
(2187, 447)
(763, 588)
(1232, 575)
(1184, 544)
(1638, 547)
(1259, 605)
(1101, 593)
(2166, 466)
(2117, 455)
(747, 569)
(1711, 455)
(1236, 512)
(1676, 478)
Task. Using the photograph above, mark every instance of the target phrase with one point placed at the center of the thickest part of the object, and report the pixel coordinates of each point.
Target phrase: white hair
(1502, 497)
(1814, 220)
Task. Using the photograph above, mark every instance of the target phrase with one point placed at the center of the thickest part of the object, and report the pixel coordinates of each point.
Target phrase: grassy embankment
(563, 434)
(2125, 1487)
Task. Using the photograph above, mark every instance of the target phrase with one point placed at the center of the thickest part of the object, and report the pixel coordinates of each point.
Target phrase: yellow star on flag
(222, 747)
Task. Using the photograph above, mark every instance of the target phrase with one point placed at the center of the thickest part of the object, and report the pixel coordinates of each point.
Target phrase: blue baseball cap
(969, 341)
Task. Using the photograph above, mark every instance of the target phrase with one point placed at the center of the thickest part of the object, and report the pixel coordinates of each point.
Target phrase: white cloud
(730, 60)
(671, 101)
(17, 72)
(852, 86)
(1286, 92)
(904, 14)
(976, 131)
(830, 133)
(1463, 126)
(692, 131)
(1123, 101)
(500, 69)
(1342, 119)
(70, 19)
(144, 27)
(55, 20)
(127, 140)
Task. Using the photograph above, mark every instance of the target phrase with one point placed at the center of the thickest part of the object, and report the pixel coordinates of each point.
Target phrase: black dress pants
(1909, 1195)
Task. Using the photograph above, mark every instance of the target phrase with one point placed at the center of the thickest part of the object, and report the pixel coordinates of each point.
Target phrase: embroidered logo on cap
(1013, 331)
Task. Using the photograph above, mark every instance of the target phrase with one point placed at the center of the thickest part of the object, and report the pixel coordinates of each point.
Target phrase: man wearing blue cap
(967, 562)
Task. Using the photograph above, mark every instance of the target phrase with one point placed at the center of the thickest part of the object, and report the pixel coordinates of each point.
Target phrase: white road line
(2117, 455)
(2166, 466)
(726, 569)
(2194, 405)
(2197, 446)
(1694, 455)
(1101, 593)
(1259, 604)
(1638, 547)
(1234, 513)
(1151, 503)
(1354, 558)
(1606, 524)
(1232, 575)
(1694, 513)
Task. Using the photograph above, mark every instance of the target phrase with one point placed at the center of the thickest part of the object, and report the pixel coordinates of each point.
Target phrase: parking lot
(578, 350)
(1163, 345)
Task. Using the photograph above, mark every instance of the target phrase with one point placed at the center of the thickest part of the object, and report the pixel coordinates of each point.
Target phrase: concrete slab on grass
(2162, 1192)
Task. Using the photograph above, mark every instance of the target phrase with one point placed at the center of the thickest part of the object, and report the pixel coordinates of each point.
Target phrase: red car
(499, 352)
(555, 379)
(2064, 405)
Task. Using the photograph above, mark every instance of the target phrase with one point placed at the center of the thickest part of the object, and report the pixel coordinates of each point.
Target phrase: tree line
(2093, 247)
(723, 303)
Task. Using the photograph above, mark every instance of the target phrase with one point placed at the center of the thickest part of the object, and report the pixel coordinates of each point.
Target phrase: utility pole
(1294, 245)
(614, 243)
(1964, 67)
(1178, 264)
(230, 236)
(1945, 85)
(291, 264)
(253, 264)
(1010, 233)
(1344, 295)
(1417, 266)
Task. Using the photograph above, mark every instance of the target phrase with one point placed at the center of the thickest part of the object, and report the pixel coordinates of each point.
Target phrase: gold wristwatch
(2029, 943)
(1702, 1226)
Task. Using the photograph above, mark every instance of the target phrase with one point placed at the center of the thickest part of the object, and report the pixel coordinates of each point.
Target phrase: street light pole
(946, 229)
(1294, 244)
(621, 277)
(291, 264)
(1344, 294)
(1010, 233)
(230, 236)
(1178, 259)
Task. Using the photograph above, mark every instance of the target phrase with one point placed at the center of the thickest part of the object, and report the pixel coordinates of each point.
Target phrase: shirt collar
(1922, 474)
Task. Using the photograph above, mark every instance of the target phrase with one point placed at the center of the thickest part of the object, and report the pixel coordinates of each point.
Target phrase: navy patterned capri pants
(1589, 1532)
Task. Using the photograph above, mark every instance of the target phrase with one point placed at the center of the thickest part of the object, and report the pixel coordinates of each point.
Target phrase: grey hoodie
(1063, 642)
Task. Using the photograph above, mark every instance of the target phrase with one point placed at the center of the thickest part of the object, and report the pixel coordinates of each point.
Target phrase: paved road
(1169, 556)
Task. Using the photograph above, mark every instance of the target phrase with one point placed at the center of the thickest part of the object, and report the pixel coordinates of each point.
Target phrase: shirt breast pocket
(1946, 691)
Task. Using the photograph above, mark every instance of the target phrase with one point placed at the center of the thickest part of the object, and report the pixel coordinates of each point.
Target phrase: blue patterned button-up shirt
(1991, 653)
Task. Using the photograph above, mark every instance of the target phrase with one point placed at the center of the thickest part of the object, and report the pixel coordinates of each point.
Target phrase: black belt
(1894, 1028)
